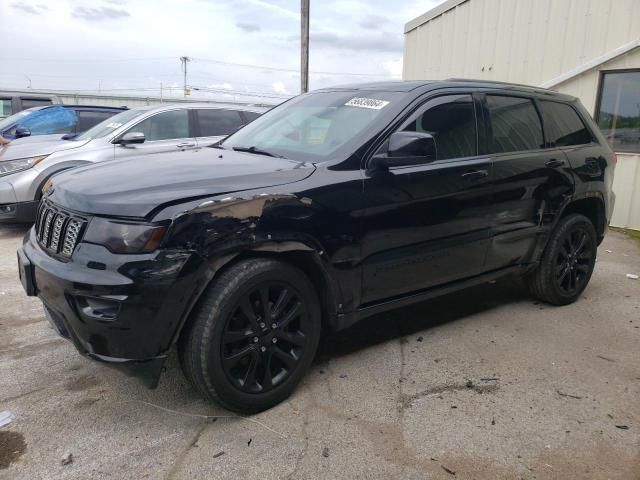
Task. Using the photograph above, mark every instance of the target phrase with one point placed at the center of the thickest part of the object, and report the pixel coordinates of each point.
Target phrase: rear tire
(252, 336)
(567, 262)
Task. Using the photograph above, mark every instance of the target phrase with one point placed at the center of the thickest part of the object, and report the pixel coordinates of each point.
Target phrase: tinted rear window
(515, 124)
(215, 122)
(34, 102)
(563, 126)
(88, 119)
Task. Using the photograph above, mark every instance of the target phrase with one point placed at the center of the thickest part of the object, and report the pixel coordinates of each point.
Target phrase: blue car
(55, 119)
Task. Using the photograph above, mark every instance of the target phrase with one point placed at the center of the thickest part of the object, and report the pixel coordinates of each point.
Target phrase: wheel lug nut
(262, 325)
(273, 325)
(263, 349)
(274, 340)
(255, 339)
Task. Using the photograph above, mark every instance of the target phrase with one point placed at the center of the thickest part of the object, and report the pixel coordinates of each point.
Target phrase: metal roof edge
(591, 64)
(431, 14)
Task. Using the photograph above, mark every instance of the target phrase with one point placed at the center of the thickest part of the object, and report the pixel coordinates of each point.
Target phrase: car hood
(35, 146)
(136, 187)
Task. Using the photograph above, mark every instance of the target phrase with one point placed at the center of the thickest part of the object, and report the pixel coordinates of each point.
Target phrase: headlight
(125, 237)
(12, 166)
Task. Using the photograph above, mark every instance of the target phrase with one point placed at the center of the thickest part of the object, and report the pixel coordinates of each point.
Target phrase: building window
(618, 112)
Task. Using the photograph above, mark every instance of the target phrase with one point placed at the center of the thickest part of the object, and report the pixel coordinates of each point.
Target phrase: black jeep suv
(333, 206)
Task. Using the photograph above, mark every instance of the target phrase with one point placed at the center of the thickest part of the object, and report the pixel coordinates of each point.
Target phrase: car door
(168, 131)
(531, 179)
(214, 124)
(427, 225)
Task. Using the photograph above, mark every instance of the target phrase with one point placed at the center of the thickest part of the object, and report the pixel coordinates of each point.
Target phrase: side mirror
(407, 148)
(131, 138)
(22, 132)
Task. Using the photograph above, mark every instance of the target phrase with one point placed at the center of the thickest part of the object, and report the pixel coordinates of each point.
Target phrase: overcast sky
(125, 44)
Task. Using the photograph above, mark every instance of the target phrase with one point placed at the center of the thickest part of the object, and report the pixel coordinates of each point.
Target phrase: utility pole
(304, 46)
(184, 61)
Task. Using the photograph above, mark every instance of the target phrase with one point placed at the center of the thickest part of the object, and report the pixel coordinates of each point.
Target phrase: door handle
(185, 145)
(554, 163)
(475, 174)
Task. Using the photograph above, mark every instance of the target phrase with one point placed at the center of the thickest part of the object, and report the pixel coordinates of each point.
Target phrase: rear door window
(515, 124)
(35, 102)
(250, 116)
(216, 121)
(5, 107)
(563, 126)
(87, 119)
(164, 126)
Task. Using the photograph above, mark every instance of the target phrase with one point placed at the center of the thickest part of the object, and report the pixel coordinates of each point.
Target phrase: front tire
(567, 262)
(253, 335)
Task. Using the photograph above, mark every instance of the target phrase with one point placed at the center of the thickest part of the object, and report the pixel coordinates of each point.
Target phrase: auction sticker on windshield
(372, 103)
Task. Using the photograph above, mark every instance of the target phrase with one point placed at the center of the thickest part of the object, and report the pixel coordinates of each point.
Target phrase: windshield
(110, 124)
(314, 127)
(7, 122)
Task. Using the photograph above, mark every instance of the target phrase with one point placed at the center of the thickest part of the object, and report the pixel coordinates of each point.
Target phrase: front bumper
(124, 310)
(23, 212)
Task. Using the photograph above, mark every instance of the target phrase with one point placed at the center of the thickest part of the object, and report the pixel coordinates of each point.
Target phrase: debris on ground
(6, 418)
(489, 379)
(448, 470)
(632, 276)
(67, 459)
(219, 454)
(419, 339)
(605, 358)
(325, 452)
(623, 427)
(469, 384)
(493, 421)
(342, 375)
(608, 251)
(562, 394)
(249, 442)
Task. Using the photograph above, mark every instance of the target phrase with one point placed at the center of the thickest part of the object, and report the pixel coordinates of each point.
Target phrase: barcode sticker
(372, 103)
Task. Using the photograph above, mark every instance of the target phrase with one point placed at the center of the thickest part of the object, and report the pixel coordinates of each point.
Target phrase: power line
(281, 69)
(205, 60)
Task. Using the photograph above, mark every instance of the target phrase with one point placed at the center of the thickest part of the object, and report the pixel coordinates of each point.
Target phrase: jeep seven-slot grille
(58, 231)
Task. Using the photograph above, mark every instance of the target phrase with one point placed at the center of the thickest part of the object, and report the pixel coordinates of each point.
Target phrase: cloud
(248, 27)
(99, 13)
(382, 42)
(220, 86)
(373, 22)
(279, 87)
(32, 9)
(394, 67)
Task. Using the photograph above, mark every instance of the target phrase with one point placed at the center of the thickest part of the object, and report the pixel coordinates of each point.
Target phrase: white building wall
(531, 42)
(521, 41)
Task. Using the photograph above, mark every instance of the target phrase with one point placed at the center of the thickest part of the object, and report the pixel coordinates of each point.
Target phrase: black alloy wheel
(567, 262)
(574, 261)
(253, 335)
(264, 339)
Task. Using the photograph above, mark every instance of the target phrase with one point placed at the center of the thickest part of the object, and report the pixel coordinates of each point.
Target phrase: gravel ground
(486, 383)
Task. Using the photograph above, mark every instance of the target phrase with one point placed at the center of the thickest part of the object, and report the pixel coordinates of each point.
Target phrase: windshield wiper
(257, 151)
